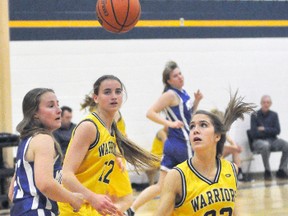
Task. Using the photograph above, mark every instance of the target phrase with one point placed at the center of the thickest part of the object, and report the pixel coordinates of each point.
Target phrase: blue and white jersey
(181, 112)
(27, 199)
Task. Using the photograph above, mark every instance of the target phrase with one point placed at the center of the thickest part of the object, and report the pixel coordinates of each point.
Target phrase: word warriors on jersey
(106, 148)
(213, 196)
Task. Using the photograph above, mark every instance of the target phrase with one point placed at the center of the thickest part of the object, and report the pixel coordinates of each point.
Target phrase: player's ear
(95, 98)
(217, 137)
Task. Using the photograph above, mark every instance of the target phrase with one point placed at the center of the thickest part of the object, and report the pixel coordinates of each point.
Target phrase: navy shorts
(175, 152)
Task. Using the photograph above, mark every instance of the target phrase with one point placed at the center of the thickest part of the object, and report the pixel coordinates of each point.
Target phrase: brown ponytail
(134, 154)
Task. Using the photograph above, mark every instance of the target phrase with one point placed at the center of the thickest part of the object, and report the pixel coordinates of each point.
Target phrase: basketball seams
(104, 20)
(115, 14)
(135, 20)
(118, 16)
(127, 13)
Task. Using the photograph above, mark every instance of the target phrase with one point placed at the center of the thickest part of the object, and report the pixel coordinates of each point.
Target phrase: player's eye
(119, 91)
(192, 126)
(204, 124)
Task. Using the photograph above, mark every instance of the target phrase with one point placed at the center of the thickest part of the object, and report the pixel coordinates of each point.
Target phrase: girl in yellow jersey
(90, 161)
(205, 184)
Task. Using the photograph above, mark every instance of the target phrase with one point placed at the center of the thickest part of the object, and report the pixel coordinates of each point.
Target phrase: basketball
(118, 16)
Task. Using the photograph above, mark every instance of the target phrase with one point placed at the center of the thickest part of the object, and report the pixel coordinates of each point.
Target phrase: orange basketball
(118, 16)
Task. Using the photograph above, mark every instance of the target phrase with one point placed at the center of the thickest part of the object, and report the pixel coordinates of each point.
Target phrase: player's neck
(205, 166)
(107, 118)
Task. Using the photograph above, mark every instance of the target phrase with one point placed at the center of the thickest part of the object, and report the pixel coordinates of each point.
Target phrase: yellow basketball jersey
(121, 125)
(120, 184)
(204, 197)
(97, 169)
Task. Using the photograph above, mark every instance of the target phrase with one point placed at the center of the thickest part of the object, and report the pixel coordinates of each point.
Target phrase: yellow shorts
(65, 209)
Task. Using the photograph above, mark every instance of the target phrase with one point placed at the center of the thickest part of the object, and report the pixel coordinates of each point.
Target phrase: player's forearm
(70, 182)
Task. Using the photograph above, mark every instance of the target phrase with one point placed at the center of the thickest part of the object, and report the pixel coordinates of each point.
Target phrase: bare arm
(233, 144)
(42, 150)
(124, 202)
(171, 190)
(235, 212)
(166, 99)
(84, 135)
(198, 96)
(11, 189)
(230, 141)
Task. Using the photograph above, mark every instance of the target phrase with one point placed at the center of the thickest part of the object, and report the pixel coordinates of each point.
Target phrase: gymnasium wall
(254, 66)
(250, 55)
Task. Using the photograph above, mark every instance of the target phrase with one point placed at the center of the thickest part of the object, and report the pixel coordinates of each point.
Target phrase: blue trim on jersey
(26, 196)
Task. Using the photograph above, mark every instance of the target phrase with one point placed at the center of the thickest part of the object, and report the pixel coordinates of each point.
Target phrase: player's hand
(176, 124)
(119, 213)
(198, 95)
(77, 201)
(120, 164)
(239, 149)
(103, 204)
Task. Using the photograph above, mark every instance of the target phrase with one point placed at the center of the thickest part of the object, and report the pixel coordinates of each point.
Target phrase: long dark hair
(29, 125)
(236, 108)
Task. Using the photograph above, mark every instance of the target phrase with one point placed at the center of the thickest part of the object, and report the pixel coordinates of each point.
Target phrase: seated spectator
(265, 127)
(63, 134)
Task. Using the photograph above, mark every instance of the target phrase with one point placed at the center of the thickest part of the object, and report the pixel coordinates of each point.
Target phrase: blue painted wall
(151, 10)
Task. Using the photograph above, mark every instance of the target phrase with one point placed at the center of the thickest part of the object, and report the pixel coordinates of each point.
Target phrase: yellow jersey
(98, 169)
(121, 125)
(201, 196)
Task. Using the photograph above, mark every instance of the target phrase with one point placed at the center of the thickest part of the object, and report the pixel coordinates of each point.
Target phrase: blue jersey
(27, 199)
(181, 112)
(177, 147)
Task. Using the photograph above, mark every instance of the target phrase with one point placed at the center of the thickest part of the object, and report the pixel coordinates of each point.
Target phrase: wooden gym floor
(256, 198)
